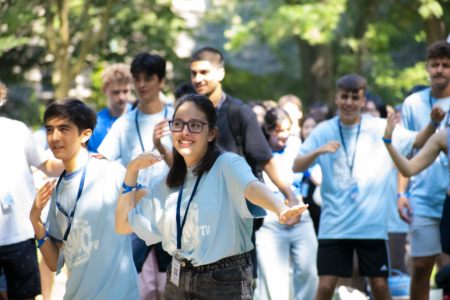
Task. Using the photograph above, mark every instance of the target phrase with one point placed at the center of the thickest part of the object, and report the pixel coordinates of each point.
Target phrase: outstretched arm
(128, 201)
(303, 162)
(259, 194)
(425, 157)
(437, 115)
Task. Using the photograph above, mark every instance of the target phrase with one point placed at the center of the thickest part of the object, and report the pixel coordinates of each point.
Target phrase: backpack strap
(234, 122)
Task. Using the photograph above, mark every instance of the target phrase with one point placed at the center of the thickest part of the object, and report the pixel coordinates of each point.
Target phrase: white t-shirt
(99, 259)
(365, 217)
(122, 142)
(18, 151)
(219, 221)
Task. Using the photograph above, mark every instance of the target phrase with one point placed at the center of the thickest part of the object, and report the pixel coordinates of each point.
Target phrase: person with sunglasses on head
(199, 209)
(79, 231)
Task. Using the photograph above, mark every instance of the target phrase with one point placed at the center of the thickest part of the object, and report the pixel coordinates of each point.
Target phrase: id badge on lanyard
(176, 260)
(353, 187)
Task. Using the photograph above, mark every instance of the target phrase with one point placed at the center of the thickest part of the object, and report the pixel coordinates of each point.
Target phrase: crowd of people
(211, 198)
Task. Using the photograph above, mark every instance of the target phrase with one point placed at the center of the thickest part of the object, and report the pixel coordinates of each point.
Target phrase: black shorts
(21, 268)
(445, 226)
(335, 257)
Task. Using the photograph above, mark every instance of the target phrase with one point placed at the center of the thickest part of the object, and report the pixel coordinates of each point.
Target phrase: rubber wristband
(386, 140)
(403, 195)
(42, 241)
(307, 174)
(128, 189)
(434, 124)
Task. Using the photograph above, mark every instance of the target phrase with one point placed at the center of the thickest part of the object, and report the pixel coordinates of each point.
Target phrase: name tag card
(176, 267)
(6, 200)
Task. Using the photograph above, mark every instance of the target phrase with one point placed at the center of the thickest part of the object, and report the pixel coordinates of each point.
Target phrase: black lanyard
(350, 166)
(220, 103)
(80, 190)
(180, 194)
(137, 126)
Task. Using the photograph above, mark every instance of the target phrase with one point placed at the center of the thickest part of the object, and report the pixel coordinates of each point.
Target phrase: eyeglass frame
(187, 124)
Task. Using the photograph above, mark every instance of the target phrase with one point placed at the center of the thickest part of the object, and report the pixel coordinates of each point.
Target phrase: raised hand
(437, 114)
(390, 126)
(329, 147)
(161, 130)
(291, 216)
(42, 197)
(144, 160)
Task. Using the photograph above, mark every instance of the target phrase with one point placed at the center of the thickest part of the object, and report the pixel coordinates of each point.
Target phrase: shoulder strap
(448, 144)
(234, 122)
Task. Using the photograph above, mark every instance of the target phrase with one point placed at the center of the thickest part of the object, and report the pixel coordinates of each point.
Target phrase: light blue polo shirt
(429, 187)
(366, 216)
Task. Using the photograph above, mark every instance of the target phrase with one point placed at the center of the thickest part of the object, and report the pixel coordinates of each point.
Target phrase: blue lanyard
(80, 190)
(137, 126)
(350, 166)
(180, 194)
(220, 103)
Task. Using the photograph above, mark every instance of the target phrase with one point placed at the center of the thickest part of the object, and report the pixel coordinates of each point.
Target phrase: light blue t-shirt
(104, 124)
(219, 221)
(365, 217)
(429, 187)
(100, 260)
(122, 142)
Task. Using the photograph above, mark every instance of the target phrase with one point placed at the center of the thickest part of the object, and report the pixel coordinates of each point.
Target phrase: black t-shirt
(255, 145)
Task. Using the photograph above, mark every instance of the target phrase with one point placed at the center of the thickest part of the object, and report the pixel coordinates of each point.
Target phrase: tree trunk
(317, 71)
(434, 29)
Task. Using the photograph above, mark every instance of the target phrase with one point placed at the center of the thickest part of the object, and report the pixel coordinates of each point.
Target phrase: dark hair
(178, 170)
(274, 117)
(75, 111)
(321, 108)
(440, 49)
(351, 83)
(209, 54)
(149, 64)
(317, 117)
(184, 89)
(417, 88)
(379, 104)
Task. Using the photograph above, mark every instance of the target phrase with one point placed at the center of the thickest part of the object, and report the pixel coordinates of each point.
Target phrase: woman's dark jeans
(227, 279)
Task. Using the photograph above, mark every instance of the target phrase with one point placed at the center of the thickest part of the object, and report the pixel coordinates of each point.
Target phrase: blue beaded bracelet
(386, 140)
(128, 189)
(434, 124)
(42, 241)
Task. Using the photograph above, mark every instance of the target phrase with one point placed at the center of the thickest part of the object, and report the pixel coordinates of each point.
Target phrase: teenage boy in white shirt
(80, 222)
(18, 152)
(355, 188)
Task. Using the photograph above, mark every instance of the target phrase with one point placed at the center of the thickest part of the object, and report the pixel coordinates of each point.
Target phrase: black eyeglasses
(193, 126)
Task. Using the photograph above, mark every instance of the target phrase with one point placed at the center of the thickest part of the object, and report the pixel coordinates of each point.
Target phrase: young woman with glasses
(199, 210)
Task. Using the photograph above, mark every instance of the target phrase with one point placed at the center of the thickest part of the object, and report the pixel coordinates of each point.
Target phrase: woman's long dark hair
(178, 170)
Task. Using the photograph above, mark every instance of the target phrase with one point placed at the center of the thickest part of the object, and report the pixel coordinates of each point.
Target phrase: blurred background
(53, 49)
